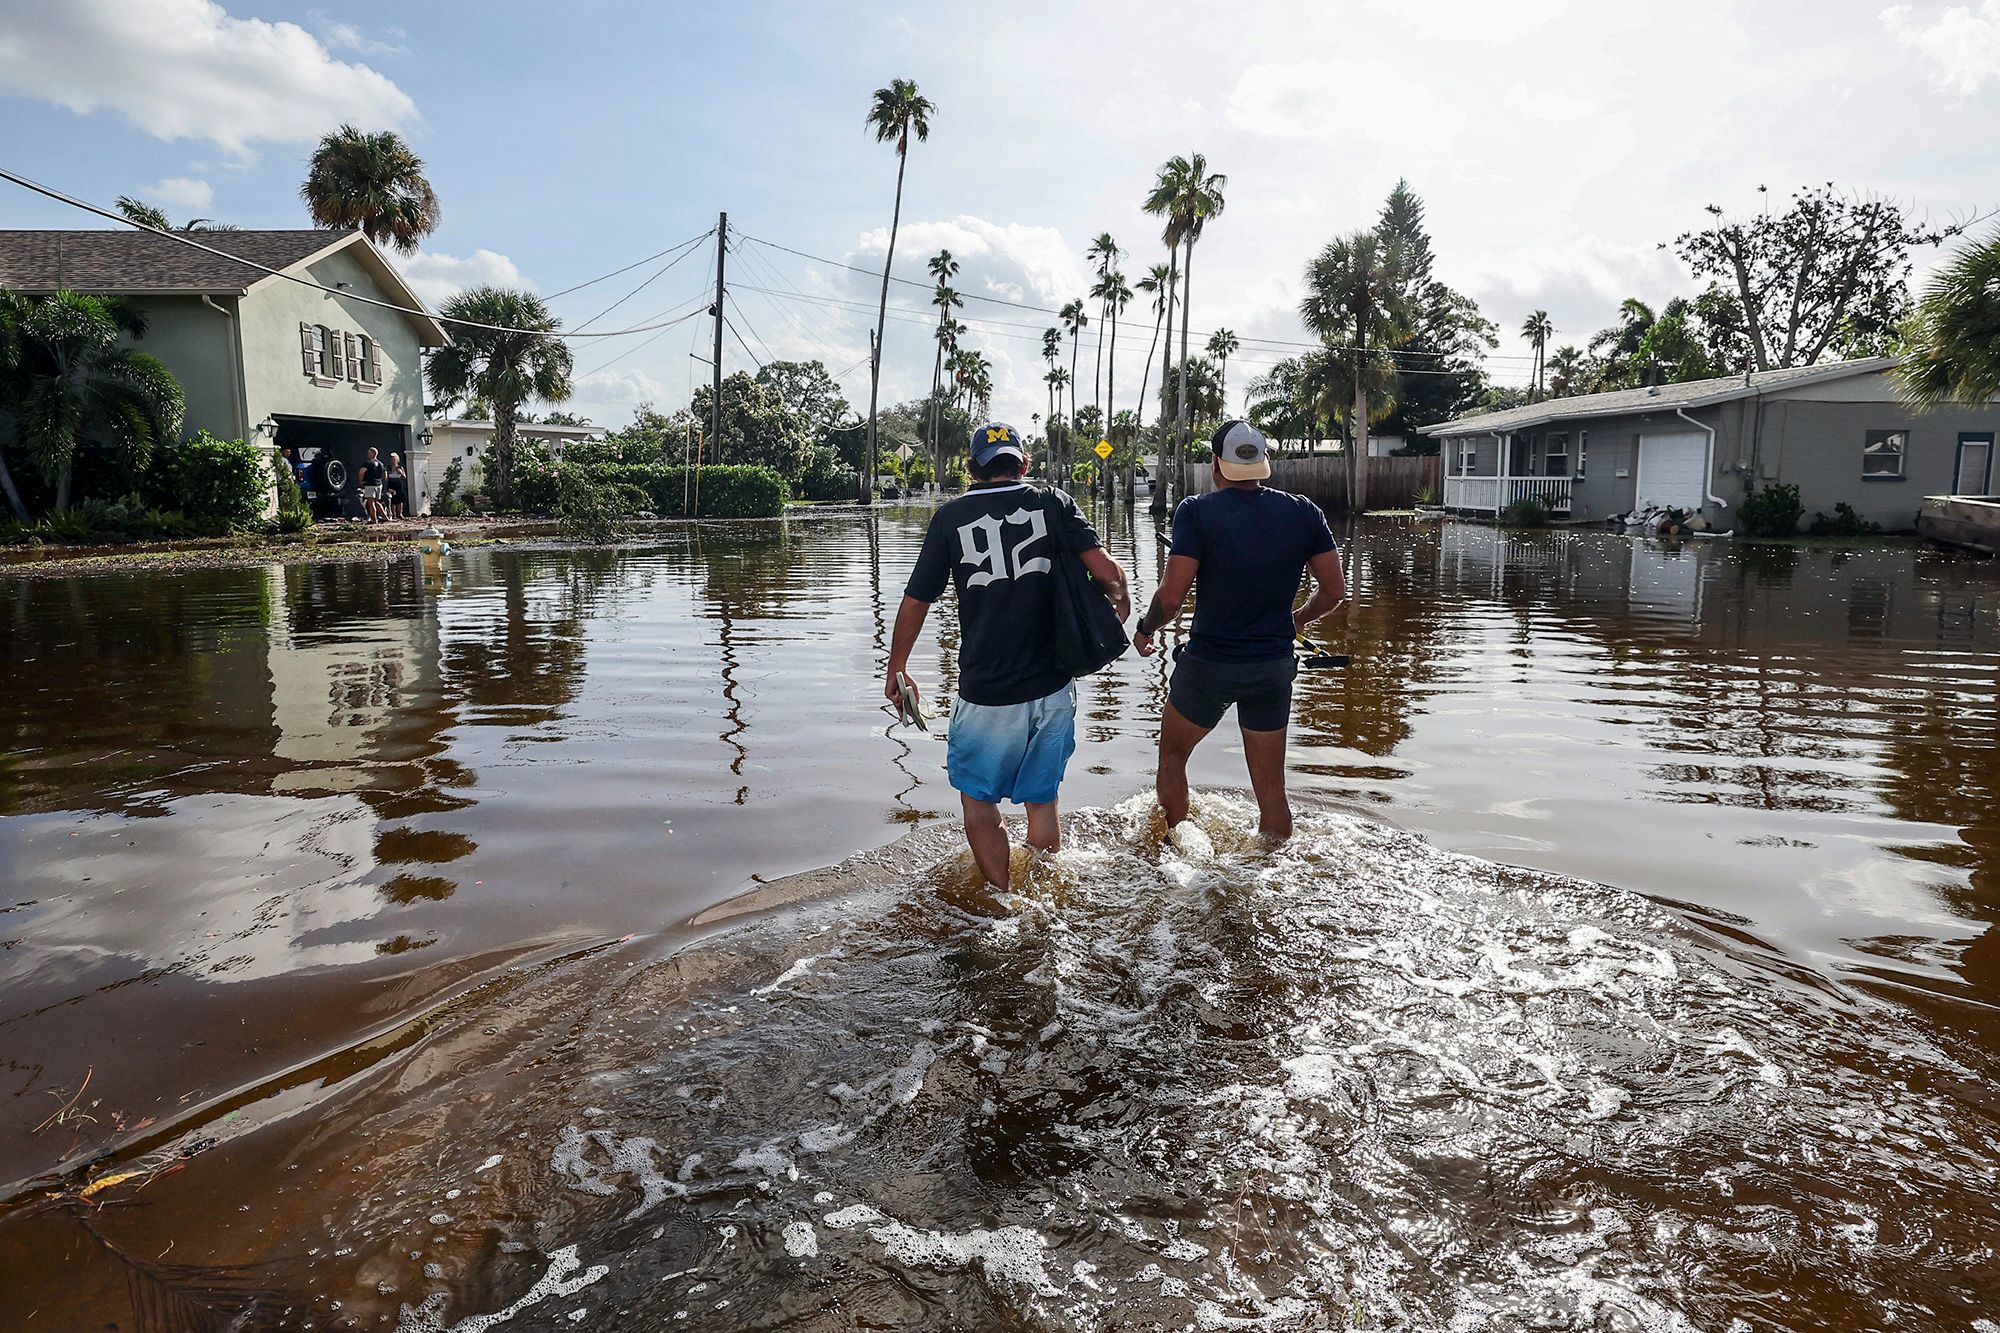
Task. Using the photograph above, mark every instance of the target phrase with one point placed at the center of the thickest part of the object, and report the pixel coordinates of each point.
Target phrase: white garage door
(1673, 470)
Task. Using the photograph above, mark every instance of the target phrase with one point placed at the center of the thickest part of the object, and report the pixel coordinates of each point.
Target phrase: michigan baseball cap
(994, 439)
(1241, 451)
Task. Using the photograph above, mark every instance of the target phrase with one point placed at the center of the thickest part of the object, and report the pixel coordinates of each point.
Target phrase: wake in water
(1350, 1082)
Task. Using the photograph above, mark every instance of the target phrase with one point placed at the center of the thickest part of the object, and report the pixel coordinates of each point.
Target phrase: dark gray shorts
(1202, 691)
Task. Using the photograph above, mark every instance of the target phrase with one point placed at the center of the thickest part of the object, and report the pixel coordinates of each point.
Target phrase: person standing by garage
(370, 482)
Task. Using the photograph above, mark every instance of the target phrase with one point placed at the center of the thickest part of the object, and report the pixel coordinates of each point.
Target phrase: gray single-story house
(1838, 432)
(259, 357)
(467, 441)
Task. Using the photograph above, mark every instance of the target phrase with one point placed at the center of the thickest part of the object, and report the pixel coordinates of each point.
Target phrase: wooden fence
(1393, 483)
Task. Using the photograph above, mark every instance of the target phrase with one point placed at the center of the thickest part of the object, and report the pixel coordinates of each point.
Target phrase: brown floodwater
(571, 942)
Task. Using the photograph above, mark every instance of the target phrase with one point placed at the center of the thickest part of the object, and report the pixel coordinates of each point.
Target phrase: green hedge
(725, 492)
(218, 484)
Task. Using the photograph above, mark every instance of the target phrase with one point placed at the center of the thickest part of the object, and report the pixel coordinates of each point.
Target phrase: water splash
(1347, 1081)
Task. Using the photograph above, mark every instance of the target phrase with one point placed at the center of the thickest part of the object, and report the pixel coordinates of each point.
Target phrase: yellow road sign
(1103, 449)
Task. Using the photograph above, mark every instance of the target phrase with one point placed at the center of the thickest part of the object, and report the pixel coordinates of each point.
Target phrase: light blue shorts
(1012, 752)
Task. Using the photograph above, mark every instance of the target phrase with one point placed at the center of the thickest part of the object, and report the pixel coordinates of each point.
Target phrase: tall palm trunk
(1159, 505)
(1181, 420)
(1069, 439)
(1097, 383)
(1359, 503)
(937, 423)
(7, 486)
(1146, 376)
(505, 417)
(882, 319)
(1111, 393)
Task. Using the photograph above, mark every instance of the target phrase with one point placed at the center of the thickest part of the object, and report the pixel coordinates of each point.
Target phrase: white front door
(1673, 470)
(1975, 465)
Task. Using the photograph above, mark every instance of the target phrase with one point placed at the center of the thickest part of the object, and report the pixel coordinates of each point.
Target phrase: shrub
(1772, 512)
(294, 513)
(218, 484)
(448, 503)
(591, 510)
(94, 522)
(1843, 522)
(826, 479)
(710, 492)
(1526, 512)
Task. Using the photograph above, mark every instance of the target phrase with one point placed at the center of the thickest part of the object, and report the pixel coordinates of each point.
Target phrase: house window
(1882, 454)
(329, 353)
(1468, 456)
(370, 373)
(1582, 451)
(1556, 447)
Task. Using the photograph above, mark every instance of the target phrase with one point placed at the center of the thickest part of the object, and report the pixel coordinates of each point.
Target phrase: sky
(1556, 146)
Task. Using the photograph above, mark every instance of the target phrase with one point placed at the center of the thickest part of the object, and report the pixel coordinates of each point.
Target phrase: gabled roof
(122, 262)
(1659, 398)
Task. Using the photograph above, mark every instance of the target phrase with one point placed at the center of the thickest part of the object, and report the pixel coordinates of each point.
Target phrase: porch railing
(1489, 495)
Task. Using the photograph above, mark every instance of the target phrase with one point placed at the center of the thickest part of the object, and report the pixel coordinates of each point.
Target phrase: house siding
(193, 341)
(276, 385)
(1810, 436)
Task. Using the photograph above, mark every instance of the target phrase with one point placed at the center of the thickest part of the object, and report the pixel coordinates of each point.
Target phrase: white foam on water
(561, 1279)
(1007, 1254)
(801, 1241)
(790, 974)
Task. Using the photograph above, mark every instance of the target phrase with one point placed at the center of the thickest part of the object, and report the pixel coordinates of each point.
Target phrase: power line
(629, 267)
(657, 274)
(1045, 310)
(665, 329)
(739, 342)
(189, 241)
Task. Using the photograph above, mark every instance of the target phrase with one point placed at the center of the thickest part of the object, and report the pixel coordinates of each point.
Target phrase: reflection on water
(259, 825)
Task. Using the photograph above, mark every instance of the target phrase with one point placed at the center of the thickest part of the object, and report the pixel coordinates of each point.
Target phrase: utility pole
(715, 403)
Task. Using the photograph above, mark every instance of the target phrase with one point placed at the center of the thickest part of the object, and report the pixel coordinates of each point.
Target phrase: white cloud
(184, 69)
(181, 192)
(610, 397)
(436, 276)
(1961, 44)
(348, 37)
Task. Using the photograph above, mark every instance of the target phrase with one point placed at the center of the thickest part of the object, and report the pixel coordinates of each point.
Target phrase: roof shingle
(1663, 397)
(111, 262)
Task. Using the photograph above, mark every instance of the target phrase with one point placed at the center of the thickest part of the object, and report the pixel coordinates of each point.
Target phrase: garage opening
(1673, 470)
(333, 451)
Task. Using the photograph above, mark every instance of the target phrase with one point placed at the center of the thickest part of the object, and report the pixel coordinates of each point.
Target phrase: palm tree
(1187, 195)
(1355, 302)
(1222, 344)
(1076, 321)
(374, 182)
(1104, 251)
(1157, 283)
(1537, 329)
(1954, 336)
(1566, 368)
(65, 375)
(515, 362)
(1051, 349)
(943, 268)
(897, 112)
(1116, 294)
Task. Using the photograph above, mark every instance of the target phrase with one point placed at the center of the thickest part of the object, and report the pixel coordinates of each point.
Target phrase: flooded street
(569, 944)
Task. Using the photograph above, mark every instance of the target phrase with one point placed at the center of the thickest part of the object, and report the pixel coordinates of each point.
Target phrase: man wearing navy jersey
(1013, 728)
(1242, 548)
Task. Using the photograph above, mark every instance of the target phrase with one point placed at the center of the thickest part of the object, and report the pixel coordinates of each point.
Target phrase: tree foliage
(1954, 337)
(511, 363)
(758, 427)
(373, 182)
(1448, 336)
(1825, 276)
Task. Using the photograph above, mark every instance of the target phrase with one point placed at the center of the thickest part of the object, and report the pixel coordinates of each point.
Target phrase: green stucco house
(301, 364)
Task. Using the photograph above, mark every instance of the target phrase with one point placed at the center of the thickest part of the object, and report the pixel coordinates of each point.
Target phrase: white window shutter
(309, 349)
(374, 362)
(331, 339)
(353, 357)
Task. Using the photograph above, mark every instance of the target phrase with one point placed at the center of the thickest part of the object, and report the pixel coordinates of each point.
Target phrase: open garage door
(334, 450)
(1673, 470)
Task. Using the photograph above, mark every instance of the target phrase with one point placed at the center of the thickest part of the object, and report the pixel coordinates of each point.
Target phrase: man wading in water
(1014, 726)
(1242, 547)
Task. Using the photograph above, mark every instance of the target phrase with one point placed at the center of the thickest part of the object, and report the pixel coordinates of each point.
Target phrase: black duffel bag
(1088, 634)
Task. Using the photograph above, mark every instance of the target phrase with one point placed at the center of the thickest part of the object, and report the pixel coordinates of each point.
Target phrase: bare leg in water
(986, 834)
(1264, 752)
(1178, 737)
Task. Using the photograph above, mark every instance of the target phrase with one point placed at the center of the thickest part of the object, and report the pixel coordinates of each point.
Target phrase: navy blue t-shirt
(996, 546)
(1253, 546)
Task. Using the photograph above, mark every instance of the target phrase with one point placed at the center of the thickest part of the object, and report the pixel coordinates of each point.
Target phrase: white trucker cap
(1241, 451)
